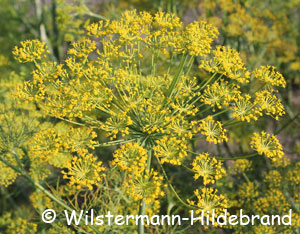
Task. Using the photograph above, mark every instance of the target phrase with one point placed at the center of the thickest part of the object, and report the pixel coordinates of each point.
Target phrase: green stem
(189, 169)
(172, 188)
(221, 112)
(246, 177)
(190, 64)
(288, 123)
(231, 122)
(72, 122)
(112, 143)
(92, 14)
(141, 228)
(236, 158)
(177, 76)
(169, 66)
(202, 86)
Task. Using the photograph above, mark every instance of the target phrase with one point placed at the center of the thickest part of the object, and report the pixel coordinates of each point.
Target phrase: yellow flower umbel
(209, 200)
(220, 94)
(55, 145)
(247, 192)
(134, 79)
(293, 175)
(8, 175)
(227, 61)
(207, 167)
(30, 51)
(147, 187)
(131, 157)
(84, 170)
(244, 109)
(170, 150)
(198, 37)
(82, 48)
(274, 178)
(240, 166)
(213, 130)
(269, 76)
(269, 103)
(265, 229)
(21, 226)
(268, 145)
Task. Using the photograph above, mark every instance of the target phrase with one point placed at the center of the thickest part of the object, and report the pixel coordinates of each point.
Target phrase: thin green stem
(246, 177)
(203, 85)
(172, 188)
(169, 66)
(236, 158)
(231, 122)
(72, 122)
(221, 112)
(288, 123)
(141, 228)
(190, 64)
(177, 76)
(117, 142)
(192, 152)
(189, 169)
(97, 16)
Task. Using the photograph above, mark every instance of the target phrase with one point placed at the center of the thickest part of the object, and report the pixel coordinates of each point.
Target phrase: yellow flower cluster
(244, 24)
(161, 30)
(84, 170)
(269, 104)
(268, 145)
(265, 102)
(247, 191)
(147, 187)
(275, 199)
(21, 226)
(244, 109)
(55, 145)
(273, 178)
(293, 175)
(39, 201)
(207, 167)
(8, 175)
(82, 48)
(240, 166)
(220, 94)
(269, 76)
(170, 150)
(30, 51)
(208, 200)
(213, 130)
(227, 61)
(131, 157)
(198, 37)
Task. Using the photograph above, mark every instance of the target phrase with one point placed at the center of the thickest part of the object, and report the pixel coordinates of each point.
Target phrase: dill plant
(134, 80)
